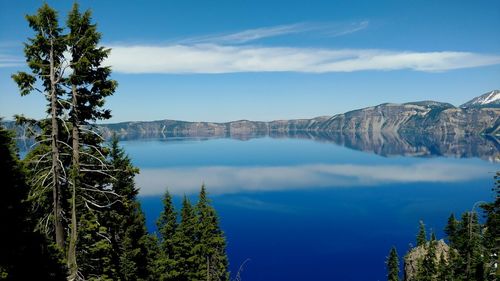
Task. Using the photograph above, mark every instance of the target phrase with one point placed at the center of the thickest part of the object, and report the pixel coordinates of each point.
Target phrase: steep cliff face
(413, 259)
(457, 121)
(422, 117)
(384, 117)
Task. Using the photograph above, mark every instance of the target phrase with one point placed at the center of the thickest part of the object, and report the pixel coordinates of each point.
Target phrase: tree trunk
(56, 187)
(75, 172)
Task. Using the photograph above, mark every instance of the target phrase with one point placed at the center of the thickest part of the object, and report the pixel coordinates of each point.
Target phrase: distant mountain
(490, 99)
(424, 117)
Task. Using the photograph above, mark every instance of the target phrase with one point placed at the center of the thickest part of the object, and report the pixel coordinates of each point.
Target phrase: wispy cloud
(213, 58)
(223, 179)
(323, 29)
(348, 29)
(10, 60)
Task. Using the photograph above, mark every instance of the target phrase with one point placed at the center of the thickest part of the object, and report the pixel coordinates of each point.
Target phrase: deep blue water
(305, 210)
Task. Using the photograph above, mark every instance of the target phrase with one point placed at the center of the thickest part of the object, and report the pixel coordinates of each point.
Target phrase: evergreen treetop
(421, 236)
(392, 263)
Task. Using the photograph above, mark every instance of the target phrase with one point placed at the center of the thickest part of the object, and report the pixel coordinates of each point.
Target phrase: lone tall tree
(393, 265)
(90, 84)
(45, 57)
(211, 248)
(421, 236)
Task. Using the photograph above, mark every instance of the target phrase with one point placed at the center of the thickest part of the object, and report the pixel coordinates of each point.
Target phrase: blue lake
(299, 209)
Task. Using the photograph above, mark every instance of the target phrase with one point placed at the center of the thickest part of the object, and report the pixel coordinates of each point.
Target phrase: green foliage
(184, 241)
(21, 245)
(194, 248)
(392, 263)
(492, 233)
(47, 43)
(469, 247)
(125, 220)
(433, 236)
(89, 77)
(473, 248)
(95, 251)
(167, 226)
(421, 236)
(428, 270)
(211, 248)
(444, 270)
(451, 230)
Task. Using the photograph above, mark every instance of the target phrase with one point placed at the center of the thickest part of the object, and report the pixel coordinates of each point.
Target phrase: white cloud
(348, 29)
(10, 61)
(213, 58)
(223, 179)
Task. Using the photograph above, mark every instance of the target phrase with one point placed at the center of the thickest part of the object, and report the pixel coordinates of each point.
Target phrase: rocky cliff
(410, 118)
(413, 259)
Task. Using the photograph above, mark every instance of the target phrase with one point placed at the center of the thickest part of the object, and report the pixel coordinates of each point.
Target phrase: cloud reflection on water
(227, 179)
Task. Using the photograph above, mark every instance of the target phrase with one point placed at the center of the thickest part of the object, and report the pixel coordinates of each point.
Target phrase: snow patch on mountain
(490, 98)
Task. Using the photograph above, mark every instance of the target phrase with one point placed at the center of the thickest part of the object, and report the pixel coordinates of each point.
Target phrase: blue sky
(266, 60)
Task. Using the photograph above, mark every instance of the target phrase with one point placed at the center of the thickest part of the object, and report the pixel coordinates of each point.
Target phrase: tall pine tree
(126, 220)
(45, 57)
(184, 241)
(211, 247)
(392, 263)
(451, 230)
(167, 226)
(421, 236)
(90, 84)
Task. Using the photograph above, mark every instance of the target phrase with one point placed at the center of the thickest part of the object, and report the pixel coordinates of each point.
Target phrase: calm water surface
(299, 209)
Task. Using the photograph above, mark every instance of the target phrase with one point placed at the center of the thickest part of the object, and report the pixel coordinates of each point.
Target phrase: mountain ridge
(488, 99)
(420, 117)
(429, 117)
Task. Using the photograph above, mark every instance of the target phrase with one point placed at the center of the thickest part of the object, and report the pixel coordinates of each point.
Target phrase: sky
(267, 60)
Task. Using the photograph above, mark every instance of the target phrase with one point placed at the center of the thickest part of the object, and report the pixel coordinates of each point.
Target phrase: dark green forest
(469, 252)
(70, 207)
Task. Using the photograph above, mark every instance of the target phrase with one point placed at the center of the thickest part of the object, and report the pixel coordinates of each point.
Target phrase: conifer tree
(90, 84)
(428, 267)
(45, 57)
(421, 236)
(125, 219)
(211, 248)
(134, 262)
(184, 242)
(451, 230)
(492, 232)
(444, 271)
(153, 256)
(433, 237)
(469, 246)
(392, 263)
(95, 250)
(167, 225)
(25, 253)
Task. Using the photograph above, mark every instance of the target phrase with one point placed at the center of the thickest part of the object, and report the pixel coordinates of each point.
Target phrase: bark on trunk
(73, 266)
(56, 187)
